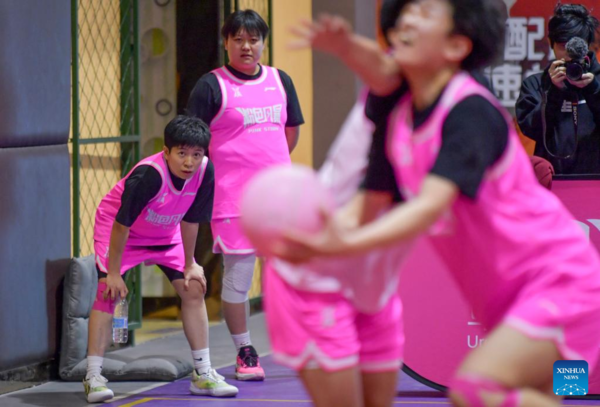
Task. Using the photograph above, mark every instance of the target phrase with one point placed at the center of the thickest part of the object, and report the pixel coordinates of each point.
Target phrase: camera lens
(574, 71)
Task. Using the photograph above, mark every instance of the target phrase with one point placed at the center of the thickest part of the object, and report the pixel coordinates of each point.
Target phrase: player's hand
(115, 287)
(194, 272)
(297, 247)
(331, 34)
(558, 73)
(585, 80)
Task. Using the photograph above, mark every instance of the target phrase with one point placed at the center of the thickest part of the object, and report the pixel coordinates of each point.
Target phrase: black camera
(576, 69)
(577, 50)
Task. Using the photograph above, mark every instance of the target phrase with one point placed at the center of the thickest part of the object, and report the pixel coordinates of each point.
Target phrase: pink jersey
(158, 224)
(515, 238)
(248, 134)
(369, 280)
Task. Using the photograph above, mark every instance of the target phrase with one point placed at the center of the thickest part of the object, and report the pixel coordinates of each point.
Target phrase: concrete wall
(334, 86)
(35, 239)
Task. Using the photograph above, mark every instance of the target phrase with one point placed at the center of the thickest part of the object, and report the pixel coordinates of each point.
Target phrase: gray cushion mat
(148, 361)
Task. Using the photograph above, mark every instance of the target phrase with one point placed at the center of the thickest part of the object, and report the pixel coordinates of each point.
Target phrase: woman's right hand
(329, 33)
(115, 287)
(558, 73)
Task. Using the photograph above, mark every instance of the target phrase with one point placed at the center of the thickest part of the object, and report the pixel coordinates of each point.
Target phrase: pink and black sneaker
(247, 366)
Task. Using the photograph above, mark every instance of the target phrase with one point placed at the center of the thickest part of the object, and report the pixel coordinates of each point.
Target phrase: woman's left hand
(585, 80)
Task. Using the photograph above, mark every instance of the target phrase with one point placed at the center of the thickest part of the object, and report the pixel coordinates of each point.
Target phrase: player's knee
(194, 293)
(231, 295)
(478, 391)
(237, 278)
(103, 304)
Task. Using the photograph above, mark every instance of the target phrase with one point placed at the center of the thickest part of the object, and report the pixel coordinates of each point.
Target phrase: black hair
(482, 21)
(185, 131)
(572, 20)
(248, 20)
(388, 16)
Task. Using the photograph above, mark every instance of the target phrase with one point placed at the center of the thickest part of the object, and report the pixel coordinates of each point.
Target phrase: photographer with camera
(560, 107)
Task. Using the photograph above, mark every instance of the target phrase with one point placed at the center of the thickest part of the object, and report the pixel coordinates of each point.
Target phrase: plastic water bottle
(120, 324)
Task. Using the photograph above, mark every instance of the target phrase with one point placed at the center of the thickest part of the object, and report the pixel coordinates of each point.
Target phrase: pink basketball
(281, 199)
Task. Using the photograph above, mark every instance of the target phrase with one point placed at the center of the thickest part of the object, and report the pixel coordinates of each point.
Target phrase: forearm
(292, 134)
(591, 93)
(118, 239)
(375, 68)
(403, 223)
(537, 94)
(530, 123)
(407, 220)
(189, 234)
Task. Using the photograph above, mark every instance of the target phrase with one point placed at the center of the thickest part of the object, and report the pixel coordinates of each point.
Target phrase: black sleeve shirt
(145, 182)
(205, 99)
(474, 136)
(380, 174)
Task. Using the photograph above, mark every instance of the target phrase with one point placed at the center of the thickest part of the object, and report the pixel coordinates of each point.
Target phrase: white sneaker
(211, 384)
(96, 390)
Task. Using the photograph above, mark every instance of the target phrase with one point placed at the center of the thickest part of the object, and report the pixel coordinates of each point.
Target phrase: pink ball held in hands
(283, 199)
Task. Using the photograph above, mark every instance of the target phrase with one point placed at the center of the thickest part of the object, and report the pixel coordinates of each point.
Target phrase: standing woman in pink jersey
(519, 258)
(254, 117)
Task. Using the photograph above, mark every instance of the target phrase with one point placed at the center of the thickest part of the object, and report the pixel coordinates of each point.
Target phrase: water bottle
(120, 321)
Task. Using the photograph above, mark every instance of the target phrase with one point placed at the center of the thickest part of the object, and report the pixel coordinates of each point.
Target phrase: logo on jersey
(268, 88)
(259, 115)
(162, 198)
(163, 220)
(236, 92)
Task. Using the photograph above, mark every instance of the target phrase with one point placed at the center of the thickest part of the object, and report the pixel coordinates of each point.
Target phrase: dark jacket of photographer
(560, 127)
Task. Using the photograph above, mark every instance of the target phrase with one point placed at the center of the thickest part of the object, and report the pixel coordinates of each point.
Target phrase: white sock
(201, 360)
(94, 366)
(241, 340)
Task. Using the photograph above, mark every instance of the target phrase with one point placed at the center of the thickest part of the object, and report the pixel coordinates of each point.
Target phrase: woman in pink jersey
(254, 118)
(151, 216)
(338, 321)
(519, 258)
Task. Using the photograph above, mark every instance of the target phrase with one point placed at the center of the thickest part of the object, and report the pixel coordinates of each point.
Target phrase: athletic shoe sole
(218, 392)
(100, 396)
(250, 377)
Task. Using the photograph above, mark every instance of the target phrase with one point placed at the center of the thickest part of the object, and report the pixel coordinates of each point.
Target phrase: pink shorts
(324, 330)
(568, 317)
(173, 257)
(229, 238)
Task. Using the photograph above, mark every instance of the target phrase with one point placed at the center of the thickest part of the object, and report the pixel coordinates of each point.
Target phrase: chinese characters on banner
(526, 53)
